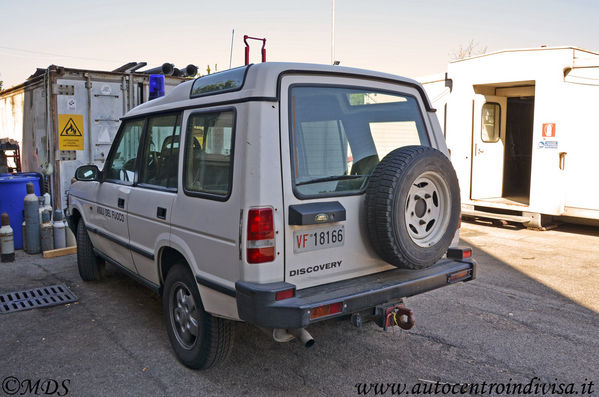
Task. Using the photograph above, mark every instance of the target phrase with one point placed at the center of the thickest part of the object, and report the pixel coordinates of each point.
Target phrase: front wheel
(200, 340)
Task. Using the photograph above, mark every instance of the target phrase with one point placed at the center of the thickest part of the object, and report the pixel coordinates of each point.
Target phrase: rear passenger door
(152, 197)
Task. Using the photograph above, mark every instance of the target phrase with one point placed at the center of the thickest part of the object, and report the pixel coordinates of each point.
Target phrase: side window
(209, 153)
(122, 162)
(161, 151)
(490, 122)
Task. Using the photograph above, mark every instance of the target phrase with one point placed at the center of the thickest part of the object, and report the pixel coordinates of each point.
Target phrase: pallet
(60, 252)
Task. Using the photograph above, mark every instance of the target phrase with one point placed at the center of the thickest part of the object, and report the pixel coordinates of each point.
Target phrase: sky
(405, 37)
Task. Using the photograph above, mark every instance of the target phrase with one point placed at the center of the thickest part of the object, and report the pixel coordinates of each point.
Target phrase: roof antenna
(231, 57)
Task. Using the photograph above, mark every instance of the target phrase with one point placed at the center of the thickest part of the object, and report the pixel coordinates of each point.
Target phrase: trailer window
(338, 135)
(490, 122)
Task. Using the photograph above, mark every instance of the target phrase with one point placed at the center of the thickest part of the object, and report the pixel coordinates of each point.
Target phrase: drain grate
(36, 297)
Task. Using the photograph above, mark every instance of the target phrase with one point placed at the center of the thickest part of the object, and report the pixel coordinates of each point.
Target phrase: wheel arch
(167, 258)
(73, 220)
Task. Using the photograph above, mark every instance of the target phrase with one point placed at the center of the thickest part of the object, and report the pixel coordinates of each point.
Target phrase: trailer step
(492, 215)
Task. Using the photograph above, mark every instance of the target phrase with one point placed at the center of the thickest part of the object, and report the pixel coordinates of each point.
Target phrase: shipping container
(64, 118)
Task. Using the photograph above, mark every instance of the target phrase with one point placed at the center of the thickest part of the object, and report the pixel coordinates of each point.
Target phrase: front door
(110, 214)
(488, 137)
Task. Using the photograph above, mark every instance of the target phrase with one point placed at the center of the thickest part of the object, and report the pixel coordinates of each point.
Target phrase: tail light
(260, 236)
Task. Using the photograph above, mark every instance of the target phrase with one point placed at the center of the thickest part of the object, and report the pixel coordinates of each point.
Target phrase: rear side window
(161, 151)
(338, 135)
(209, 154)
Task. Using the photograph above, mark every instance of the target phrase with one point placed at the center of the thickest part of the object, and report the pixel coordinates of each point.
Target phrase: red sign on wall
(549, 130)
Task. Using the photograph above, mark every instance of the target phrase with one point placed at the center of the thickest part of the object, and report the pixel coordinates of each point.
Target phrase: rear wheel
(91, 267)
(199, 339)
(413, 205)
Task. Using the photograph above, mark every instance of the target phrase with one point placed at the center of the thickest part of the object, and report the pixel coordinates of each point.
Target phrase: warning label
(71, 131)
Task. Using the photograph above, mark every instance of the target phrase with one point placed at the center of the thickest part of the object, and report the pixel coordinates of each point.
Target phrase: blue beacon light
(156, 86)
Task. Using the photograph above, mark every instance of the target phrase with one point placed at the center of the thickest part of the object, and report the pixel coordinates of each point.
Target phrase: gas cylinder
(7, 244)
(41, 201)
(47, 232)
(24, 234)
(47, 204)
(60, 237)
(32, 220)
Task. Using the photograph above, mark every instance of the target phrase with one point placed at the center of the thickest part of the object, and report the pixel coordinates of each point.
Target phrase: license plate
(315, 239)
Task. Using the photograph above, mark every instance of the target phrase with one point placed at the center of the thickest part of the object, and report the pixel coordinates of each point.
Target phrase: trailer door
(488, 137)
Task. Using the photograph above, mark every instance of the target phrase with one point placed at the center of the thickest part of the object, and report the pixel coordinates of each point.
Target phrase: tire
(413, 207)
(200, 340)
(91, 267)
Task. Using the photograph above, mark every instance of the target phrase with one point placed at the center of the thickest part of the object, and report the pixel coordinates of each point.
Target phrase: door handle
(562, 160)
(121, 202)
(161, 213)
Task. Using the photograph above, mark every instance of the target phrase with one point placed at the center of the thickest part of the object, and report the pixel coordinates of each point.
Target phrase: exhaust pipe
(284, 335)
(303, 336)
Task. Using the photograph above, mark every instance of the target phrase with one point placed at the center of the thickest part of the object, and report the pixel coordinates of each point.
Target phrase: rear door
(488, 137)
(334, 131)
(150, 206)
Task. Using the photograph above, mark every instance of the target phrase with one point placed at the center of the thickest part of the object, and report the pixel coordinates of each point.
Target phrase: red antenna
(247, 48)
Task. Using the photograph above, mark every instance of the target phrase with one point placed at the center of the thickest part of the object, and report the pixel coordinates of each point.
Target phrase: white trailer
(520, 128)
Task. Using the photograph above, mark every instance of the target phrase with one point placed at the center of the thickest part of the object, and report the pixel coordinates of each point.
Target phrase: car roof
(260, 83)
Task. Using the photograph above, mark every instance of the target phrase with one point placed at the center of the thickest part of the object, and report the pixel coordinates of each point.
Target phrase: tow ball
(394, 315)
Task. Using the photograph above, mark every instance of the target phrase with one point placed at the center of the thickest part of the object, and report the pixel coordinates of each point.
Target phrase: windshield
(338, 135)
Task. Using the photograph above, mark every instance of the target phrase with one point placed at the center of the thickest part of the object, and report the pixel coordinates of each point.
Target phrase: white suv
(278, 194)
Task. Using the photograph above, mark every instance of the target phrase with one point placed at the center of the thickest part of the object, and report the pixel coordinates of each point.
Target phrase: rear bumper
(256, 303)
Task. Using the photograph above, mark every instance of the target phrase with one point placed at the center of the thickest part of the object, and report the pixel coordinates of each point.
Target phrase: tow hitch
(395, 314)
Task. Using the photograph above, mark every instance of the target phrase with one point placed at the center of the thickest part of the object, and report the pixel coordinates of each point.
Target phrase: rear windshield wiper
(330, 178)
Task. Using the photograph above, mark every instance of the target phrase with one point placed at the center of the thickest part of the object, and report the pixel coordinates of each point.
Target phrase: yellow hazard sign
(71, 131)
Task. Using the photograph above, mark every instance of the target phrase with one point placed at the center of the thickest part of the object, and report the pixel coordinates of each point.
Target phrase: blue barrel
(12, 193)
(38, 176)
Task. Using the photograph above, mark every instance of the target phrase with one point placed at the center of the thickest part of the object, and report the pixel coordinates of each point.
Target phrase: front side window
(120, 166)
(161, 151)
(209, 153)
(338, 135)
(490, 122)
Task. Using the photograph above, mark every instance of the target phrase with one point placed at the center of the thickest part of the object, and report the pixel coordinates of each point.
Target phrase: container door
(151, 200)
(332, 136)
(488, 137)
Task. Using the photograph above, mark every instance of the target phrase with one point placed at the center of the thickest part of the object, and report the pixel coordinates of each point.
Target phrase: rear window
(338, 135)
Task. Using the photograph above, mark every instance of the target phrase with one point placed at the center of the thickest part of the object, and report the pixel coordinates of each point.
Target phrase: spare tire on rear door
(413, 206)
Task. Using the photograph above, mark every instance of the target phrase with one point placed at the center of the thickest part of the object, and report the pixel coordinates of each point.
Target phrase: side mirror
(87, 173)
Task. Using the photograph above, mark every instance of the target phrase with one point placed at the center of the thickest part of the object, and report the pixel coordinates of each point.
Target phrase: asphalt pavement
(530, 318)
